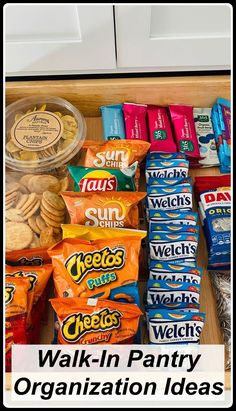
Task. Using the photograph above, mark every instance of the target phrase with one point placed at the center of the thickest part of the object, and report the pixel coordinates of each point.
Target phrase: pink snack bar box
(185, 133)
(135, 121)
(160, 133)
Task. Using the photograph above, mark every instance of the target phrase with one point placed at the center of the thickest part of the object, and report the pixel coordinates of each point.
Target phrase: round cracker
(40, 222)
(41, 183)
(32, 223)
(36, 242)
(18, 236)
(29, 202)
(14, 215)
(10, 197)
(52, 210)
(46, 237)
(11, 187)
(64, 182)
(55, 218)
(25, 179)
(32, 211)
(9, 205)
(23, 189)
(22, 200)
(30, 207)
(54, 200)
(49, 221)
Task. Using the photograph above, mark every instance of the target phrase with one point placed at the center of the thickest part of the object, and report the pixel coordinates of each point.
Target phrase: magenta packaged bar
(160, 132)
(185, 133)
(135, 121)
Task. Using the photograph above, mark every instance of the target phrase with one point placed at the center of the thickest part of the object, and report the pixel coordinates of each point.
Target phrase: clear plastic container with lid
(43, 133)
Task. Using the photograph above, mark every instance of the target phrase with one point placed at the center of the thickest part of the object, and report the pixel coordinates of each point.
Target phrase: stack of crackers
(34, 211)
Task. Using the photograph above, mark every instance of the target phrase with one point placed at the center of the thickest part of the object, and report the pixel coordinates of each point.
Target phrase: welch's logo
(172, 172)
(173, 332)
(173, 250)
(171, 299)
(170, 202)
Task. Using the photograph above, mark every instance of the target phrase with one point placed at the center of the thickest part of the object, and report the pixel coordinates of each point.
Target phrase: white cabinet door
(174, 37)
(58, 38)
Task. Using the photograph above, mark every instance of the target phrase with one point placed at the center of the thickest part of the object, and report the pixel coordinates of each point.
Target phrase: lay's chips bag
(91, 321)
(82, 268)
(116, 154)
(105, 209)
(87, 179)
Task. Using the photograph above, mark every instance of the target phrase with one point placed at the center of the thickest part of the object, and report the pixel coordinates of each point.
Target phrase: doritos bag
(91, 321)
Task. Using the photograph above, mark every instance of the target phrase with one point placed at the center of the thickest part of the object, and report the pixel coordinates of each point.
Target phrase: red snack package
(135, 121)
(8, 344)
(160, 133)
(185, 133)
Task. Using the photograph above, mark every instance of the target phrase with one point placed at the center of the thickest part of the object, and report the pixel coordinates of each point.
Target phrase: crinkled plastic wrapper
(221, 283)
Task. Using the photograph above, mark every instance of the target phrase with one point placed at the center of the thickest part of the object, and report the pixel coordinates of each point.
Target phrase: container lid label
(37, 130)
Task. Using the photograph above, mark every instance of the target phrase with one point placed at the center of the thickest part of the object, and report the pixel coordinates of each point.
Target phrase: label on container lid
(37, 130)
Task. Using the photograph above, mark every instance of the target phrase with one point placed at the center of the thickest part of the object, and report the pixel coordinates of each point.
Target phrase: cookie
(40, 183)
(14, 215)
(53, 217)
(32, 211)
(54, 200)
(32, 223)
(40, 223)
(49, 221)
(52, 210)
(18, 236)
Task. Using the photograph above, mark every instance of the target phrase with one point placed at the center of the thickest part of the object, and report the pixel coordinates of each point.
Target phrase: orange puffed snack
(115, 153)
(104, 209)
(85, 268)
(91, 321)
(38, 276)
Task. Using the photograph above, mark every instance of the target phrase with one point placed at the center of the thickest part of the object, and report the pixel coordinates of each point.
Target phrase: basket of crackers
(42, 133)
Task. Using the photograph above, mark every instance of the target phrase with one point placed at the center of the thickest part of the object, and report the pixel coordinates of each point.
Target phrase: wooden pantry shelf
(88, 95)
